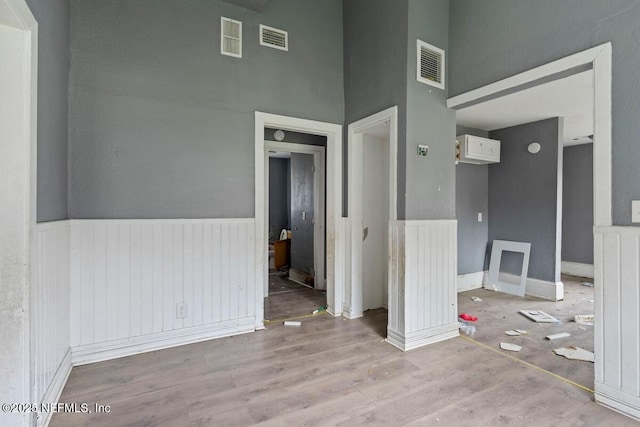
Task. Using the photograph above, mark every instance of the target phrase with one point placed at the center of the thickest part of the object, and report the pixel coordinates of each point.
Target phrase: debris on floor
(466, 328)
(319, 309)
(589, 284)
(510, 347)
(476, 299)
(292, 323)
(575, 353)
(558, 336)
(521, 331)
(584, 319)
(539, 316)
(512, 333)
(468, 317)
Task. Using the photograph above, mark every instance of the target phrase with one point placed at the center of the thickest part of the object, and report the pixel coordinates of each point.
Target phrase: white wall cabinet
(477, 150)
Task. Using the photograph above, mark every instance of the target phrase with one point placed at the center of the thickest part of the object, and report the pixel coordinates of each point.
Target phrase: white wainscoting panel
(423, 295)
(50, 313)
(128, 277)
(617, 333)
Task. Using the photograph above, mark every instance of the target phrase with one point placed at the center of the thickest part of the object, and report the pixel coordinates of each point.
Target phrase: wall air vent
(230, 37)
(430, 65)
(274, 38)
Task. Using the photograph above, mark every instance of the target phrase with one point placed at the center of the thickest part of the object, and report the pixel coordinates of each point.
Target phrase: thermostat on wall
(423, 150)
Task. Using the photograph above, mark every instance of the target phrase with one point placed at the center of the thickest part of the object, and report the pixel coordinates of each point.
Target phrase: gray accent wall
(430, 181)
(577, 204)
(493, 39)
(375, 75)
(302, 245)
(162, 125)
(472, 196)
(53, 103)
(279, 196)
(523, 196)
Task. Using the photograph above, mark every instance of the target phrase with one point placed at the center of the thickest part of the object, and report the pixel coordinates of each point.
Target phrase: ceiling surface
(570, 97)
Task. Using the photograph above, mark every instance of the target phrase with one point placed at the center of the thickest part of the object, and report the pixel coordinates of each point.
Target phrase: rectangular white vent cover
(231, 37)
(430, 65)
(273, 37)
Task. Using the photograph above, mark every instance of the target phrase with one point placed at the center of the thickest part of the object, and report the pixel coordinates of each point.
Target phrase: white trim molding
(334, 245)
(552, 291)
(470, 281)
(389, 118)
(577, 269)
(423, 301)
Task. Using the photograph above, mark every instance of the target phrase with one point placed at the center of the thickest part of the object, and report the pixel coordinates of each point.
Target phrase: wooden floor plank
(332, 371)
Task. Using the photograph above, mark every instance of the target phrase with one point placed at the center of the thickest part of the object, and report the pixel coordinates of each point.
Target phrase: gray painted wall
(296, 137)
(53, 98)
(375, 75)
(577, 204)
(430, 181)
(162, 125)
(493, 39)
(302, 201)
(279, 196)
(472, 196)
(523, 196)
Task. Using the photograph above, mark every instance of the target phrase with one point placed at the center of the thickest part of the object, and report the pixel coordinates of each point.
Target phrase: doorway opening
(551, 91)
(334, 243)
(372, 170)
(296, 206)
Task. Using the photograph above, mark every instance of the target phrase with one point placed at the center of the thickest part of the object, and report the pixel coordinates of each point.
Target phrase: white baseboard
(92, 353)
(618, 401)
(418, 339)
(470, 281)
(346, 312)
(577, 269)
(52, 395)
(552, 291)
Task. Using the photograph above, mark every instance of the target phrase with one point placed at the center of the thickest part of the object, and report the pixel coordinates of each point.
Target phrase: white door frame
(335, 251)
(18, 127)
(599, 58)
(354, 298)
(318, 153)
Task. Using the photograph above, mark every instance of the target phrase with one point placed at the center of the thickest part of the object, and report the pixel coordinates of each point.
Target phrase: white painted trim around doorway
(607, 367)
(18, 221)
(318, 153)
(334, 243)
(353, 293)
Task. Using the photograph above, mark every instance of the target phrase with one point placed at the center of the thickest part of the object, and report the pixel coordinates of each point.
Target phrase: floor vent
(230, 37)
(272, 37)
(430, 66)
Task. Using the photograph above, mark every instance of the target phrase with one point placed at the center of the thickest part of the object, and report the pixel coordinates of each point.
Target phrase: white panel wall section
(423, 297)
(128, 276)
(50, 313)
(617, 345)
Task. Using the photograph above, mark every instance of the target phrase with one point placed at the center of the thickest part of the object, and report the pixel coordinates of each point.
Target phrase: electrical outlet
(181, 310)
(479, 216)
(635, 211)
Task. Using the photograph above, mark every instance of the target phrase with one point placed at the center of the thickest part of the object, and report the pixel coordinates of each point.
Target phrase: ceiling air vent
(230, 37)
(274, 38)
(430, 65)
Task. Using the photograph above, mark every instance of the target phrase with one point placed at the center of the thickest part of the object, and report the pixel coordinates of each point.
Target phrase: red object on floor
(468, 317)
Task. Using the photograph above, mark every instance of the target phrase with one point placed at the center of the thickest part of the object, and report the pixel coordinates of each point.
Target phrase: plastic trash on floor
(466, 328)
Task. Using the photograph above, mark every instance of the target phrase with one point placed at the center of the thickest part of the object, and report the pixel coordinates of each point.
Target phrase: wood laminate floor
(499, 312)
(333, 372)
(290, 299)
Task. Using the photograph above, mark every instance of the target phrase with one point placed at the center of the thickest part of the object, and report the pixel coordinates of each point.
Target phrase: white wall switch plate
(635, 211)
(479, 216)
